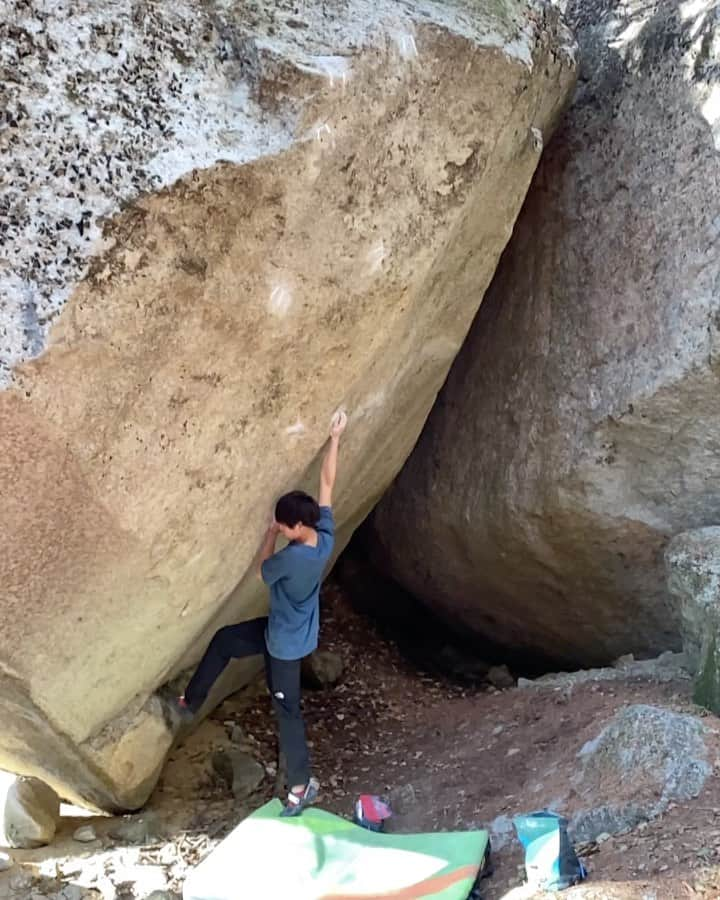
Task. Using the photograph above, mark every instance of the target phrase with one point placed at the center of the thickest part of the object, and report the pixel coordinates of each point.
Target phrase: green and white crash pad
(319, 856)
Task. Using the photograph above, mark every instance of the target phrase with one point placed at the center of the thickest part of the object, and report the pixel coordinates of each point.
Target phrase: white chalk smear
(280, 300)
(406, 44)
(335, 68)
(323, 133)
(371, 404)
(375, 257)
(297, 428)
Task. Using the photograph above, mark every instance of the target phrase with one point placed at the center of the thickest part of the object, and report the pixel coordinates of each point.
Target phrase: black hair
(297, 506)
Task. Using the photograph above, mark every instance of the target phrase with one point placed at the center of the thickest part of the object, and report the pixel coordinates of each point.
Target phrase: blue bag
(550, 859)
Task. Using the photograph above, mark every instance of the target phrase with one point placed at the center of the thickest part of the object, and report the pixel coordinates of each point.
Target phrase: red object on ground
(371, 812)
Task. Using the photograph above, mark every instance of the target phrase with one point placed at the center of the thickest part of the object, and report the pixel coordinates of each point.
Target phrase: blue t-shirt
(293, 576)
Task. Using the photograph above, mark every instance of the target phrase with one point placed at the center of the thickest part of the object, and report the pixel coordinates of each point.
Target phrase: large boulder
(580, 425)
(693, 566)
(236, 218)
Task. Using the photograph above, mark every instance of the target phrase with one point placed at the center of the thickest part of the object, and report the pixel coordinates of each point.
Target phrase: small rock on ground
(248, 775)
(500, 677)
(322, 669)
(85, 834)
(5, 862)
(137, 829)
(240, 771)
(70, 892)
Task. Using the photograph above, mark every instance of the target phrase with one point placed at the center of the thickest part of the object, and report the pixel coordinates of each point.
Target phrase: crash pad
(320, 856)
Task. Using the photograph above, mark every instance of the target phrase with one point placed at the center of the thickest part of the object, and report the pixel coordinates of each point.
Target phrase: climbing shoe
(298, 800)
(179, 713)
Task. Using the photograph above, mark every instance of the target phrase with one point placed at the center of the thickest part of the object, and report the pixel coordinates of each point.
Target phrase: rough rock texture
(500, 677)
(86, 834)
(29, 813)
(579, 427)
(693, 565)
(239, 770)
(137, 829)
(645, 757)
(665, 668)
(322, 669)
(238, 216)
(248, 775)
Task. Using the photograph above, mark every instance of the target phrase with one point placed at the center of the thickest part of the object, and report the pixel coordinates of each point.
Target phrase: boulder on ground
(29, 813)
(579, 426)
(236, 218)
(642, 760)
(693, 567)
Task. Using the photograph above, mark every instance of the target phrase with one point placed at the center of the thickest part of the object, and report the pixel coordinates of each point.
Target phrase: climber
(290, 631)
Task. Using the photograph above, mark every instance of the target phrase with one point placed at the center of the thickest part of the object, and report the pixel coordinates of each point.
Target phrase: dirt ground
(450, 756)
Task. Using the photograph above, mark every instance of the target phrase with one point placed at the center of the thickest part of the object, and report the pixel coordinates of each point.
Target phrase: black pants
(283, 679)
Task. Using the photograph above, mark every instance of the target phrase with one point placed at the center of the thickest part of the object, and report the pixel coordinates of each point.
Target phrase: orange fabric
(422, 889)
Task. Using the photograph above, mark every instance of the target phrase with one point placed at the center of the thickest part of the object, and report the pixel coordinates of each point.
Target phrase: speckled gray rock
(661, 670)
(644, 758)
(29, 813)
(238, 217)
(693, 566)
(580, 425)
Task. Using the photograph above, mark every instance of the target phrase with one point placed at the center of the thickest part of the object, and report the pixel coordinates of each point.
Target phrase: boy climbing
(290, 631)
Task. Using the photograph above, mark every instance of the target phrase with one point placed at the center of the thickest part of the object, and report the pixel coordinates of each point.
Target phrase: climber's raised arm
(329, 466)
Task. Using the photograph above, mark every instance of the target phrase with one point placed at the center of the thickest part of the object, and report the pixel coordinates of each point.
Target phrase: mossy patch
(706, 691)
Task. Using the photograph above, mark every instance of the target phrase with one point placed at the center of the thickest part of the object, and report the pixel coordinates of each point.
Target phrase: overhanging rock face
(580, 424)
(221, 222)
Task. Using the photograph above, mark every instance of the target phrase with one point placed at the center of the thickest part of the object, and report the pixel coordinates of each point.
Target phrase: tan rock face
(378, 161)
(580, 424)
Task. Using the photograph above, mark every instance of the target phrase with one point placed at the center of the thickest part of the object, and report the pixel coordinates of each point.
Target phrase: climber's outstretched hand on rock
(329, 466)
(338, 424)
